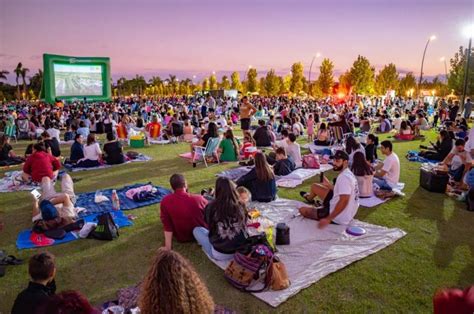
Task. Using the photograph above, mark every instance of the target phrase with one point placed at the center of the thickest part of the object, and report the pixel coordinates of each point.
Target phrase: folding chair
(336, 135)
(210, 150)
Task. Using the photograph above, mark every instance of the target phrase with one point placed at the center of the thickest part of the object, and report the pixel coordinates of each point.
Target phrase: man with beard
(340, 200)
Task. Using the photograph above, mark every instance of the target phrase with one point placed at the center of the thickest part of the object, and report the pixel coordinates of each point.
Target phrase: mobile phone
(321, 177)
(36, 194)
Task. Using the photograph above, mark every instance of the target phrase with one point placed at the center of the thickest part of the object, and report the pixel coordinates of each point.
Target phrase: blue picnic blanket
(23, 241)
(412, 155)
(86, 200)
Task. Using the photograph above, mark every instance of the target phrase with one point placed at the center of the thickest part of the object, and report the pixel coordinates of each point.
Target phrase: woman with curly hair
(173, 286)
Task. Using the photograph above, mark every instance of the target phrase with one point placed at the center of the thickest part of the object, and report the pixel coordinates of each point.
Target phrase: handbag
(310, 161)
(279, 275)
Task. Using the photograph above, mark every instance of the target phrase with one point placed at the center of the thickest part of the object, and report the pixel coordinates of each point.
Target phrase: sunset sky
(189, 38)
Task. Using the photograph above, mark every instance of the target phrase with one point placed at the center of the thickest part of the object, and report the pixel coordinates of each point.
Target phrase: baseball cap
(340, 154)
(48, 211)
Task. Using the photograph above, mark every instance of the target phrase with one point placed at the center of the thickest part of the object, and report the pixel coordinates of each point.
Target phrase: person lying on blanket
(388, 172)
(341, 200)
(40, 164)
(181, 212)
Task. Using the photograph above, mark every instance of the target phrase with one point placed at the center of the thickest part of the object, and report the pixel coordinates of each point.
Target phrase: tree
(212, 82)
(326, 77)
(205, 84)
(407, 85)
(345, 83)
(23, 78)
(235, 81)
(457, 70)
(3, 75)
(297, 77)
(35, 82)
(225, 84)
(252, 84)
(362, 76)
(387, 79)
(272, 84)
(17, 72)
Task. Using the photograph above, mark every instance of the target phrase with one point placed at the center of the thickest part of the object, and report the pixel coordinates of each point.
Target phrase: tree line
(361, 78)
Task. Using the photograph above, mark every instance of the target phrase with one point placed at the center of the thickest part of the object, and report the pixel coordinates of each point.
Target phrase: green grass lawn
(438, 250)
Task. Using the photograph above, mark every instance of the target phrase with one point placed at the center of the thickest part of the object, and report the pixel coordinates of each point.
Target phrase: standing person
(171, 285)
(343, 197)
(388, 172)
(453, 110)
(467, 109)
(247, 110)
(310, 128)
(42, 270)
(260, 181)
(181, 212)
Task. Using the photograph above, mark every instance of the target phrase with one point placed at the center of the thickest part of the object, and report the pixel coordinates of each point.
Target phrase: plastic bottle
(115, 201)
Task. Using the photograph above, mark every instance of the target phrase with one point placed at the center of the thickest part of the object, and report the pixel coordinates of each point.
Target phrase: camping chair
(205, 152)
(336, 135)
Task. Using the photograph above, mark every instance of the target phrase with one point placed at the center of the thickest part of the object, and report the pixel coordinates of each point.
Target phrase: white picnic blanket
(375, 201)
(314, 148)
(315, 253)
(140, 158)
(12, 182)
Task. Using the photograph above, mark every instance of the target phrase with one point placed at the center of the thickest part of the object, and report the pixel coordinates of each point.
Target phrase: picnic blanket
(412, 155)
(289, 181)
(162, 142)
(320, 150)
(86, 200)
(315, 253)
(24, 240)
(375, 201)
(139, 158)
(12, 182)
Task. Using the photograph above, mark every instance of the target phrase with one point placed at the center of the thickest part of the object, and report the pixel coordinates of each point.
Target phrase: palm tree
(23, 77)
(36, 82)
(3, 74)
(120, 83)
(18, 74)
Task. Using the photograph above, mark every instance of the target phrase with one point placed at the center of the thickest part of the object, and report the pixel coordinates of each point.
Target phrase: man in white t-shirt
(343, 196)
(388, 173)
(459, 161)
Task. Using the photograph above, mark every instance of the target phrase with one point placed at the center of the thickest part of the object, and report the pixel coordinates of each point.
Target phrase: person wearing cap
(341, 198)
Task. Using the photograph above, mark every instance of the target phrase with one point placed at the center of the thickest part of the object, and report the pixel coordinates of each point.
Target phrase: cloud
(7, 56)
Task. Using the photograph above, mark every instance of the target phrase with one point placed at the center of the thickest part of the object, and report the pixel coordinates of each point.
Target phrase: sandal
(303, 195)
(11, 260)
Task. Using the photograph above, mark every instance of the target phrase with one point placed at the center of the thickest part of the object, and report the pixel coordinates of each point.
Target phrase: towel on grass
(375, 201)
(315, 253)
(26, 239)
(413, 155)
(139, 158)
(87, 200)
(12, 182)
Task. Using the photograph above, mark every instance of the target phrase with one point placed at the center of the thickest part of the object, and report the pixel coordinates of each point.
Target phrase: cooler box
(433, 181)
(137, 143)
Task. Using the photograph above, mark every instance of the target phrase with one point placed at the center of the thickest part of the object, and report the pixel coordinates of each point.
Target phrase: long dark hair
(264, 172)
(226, 205)
(351, 145)
(212, 130)
(230, 136)
(360, 166)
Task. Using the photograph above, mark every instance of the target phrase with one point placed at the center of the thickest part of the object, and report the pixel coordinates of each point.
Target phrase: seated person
(42, 270)
(229, 147)
(68, 301)
(341, 200)
(421, 124)
(40, 164)
(153, 129)
(54, 132)
(353, 146)
(226, 217)
(181, 212)
(7, 156)
(459, 161)
(92, 154)
(77, 149)
(260, 181)
(364, 174)
(83, 130)
(212, 132)
(405, 130)
(322, 137)
(283, 165)
(262, 136)
(441, 149)
(388, 172)
(69, 135)
(385, 125)
(244, 195)
(247, 145)
(51, 144)
(293, 150)
(113, 151)
(188, 134)
(283, 142)
(371, 148)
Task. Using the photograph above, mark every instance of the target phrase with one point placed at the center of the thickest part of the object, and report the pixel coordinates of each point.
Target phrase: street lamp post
(433, 37)
(443, 59)
(317, 55)
(469, 31)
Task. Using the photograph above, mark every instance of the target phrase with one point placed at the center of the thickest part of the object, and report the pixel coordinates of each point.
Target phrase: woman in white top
(352, 147)
(364, 174)
(92, 154)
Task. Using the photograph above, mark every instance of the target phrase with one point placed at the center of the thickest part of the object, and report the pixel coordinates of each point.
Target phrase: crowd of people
(217, 220)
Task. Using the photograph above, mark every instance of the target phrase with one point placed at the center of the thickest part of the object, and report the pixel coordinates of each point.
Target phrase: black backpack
(106, 228)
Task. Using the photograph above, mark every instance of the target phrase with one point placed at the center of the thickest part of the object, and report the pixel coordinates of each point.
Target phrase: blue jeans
(201, 235)
(457, 173)
(382, 183)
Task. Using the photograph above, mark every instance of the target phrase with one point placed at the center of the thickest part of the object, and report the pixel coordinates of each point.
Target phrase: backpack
(106, 228)
(143, 196)
(245, 271)
(310, 161)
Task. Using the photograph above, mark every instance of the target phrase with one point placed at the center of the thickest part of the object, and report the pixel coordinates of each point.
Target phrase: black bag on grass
(106, 228)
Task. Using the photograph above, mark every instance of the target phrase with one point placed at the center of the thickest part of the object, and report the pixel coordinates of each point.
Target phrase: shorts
(245, 124)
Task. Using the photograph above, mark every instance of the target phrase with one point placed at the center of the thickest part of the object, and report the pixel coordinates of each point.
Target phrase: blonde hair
(173, 286)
